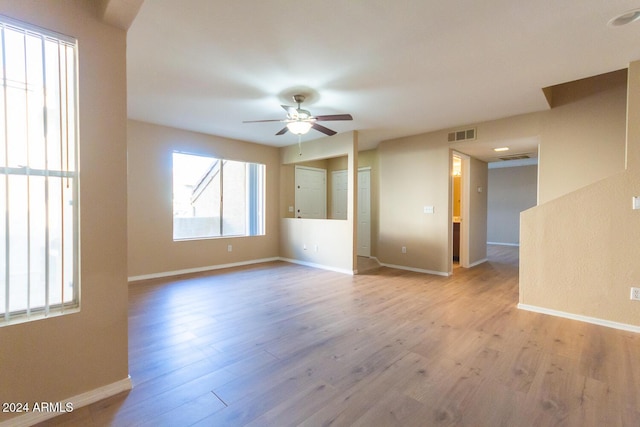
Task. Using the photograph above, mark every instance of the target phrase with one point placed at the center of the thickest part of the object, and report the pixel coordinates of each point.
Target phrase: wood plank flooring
(285, 345)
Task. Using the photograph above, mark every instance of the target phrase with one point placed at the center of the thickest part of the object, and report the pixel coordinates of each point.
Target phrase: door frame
(366, 169)
(465, 186)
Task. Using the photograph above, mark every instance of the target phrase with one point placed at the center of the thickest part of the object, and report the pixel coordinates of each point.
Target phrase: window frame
(68, 171)
(254, 197)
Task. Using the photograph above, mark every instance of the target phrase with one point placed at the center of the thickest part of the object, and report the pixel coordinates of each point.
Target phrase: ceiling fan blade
(261, 121)
(334, 117)
(323, 129)
(283, 131)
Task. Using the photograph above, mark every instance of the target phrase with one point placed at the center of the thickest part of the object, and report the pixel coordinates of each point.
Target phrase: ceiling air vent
(462, 135)
(515, 157)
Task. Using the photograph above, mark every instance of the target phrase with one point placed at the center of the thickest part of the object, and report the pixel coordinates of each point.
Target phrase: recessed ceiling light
(625, 18)
(501, 149)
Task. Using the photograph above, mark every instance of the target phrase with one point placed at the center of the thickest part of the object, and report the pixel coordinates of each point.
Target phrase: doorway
(460, 210)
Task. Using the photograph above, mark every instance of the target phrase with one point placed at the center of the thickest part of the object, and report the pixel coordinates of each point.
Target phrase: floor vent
(462, 135)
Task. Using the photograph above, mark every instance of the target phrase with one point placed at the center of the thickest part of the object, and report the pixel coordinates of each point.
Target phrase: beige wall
(579, 252)
(54, 359)
(479, 181)
(511, 191)
(414, 172)
(329, 243)
(583, 135)
(152, 251)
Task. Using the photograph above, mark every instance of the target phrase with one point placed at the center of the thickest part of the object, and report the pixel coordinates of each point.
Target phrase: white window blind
(38, 173)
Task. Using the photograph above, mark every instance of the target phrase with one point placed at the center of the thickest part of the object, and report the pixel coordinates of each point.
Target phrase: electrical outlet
(635, 294)
(404, 249)
(229, 248)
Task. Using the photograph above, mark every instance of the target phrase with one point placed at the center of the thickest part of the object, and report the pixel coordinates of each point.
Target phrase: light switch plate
(636, 202)
(429, 209)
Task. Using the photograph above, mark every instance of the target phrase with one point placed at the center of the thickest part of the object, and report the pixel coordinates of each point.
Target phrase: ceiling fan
(300, 121)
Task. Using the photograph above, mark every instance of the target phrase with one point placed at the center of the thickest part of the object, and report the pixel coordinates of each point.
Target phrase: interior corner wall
(511, 190)
(55, 359)
(579, 252)
(324, 243)
(152, 250)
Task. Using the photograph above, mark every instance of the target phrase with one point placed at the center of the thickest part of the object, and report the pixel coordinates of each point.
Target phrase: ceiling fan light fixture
(298, 127)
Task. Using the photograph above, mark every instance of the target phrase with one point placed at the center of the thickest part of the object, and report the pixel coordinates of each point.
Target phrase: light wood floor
(280, 344)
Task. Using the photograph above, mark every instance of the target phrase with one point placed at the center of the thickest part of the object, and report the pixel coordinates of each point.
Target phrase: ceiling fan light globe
(299, 128)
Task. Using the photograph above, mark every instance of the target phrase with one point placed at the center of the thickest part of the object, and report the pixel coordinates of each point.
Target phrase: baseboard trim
(199, 269)
(581, 318)
(415, 270)
(320, 266)
(473, 264)
(84, 399)
(503, 244)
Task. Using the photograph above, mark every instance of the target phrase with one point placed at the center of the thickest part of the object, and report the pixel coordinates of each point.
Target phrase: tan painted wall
(479, 181)
(334, 239)
(414, 172)
(579, 253)
(511, 191)
(152, 250)
(54, 359)
(583, 135)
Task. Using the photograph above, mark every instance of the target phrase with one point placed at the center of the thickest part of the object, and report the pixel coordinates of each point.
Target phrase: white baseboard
(198, 269)
(416, 270)
(473, 264)
(84, 399)
(503, 244)
(320, 266)
(581, 318)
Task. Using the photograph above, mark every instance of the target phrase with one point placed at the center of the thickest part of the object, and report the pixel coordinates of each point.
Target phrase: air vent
(462, 135)
(515, 157)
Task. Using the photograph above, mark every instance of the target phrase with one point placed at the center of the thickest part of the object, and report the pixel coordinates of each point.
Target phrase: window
(216, 198)
(38, 173)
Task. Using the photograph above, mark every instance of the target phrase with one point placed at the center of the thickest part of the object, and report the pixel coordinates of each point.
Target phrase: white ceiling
(400, 67)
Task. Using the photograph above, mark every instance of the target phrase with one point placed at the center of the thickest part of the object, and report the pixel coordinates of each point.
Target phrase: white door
(311, 192)
(364, 212)
(339, 195)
